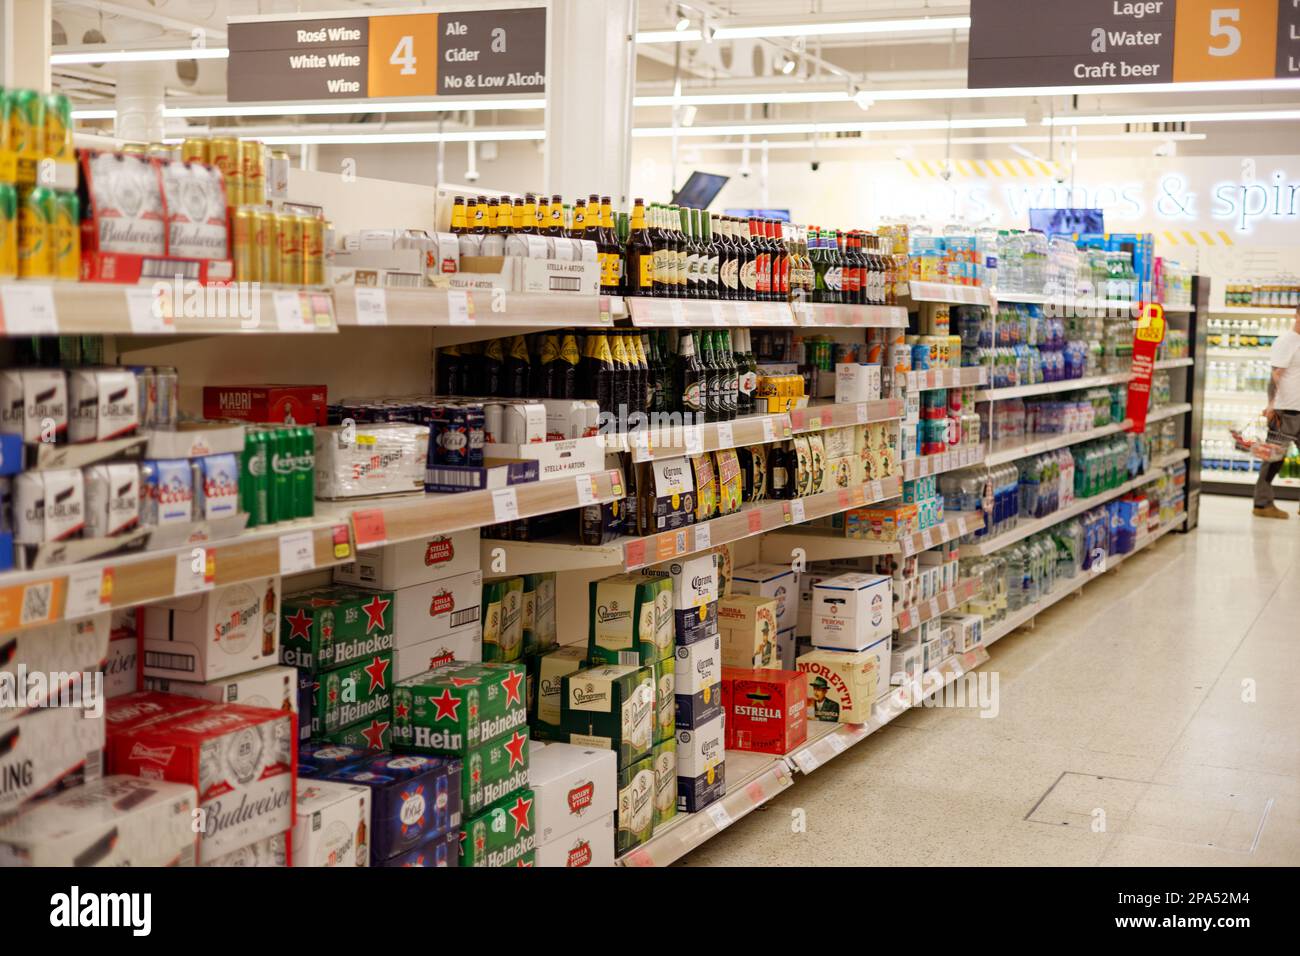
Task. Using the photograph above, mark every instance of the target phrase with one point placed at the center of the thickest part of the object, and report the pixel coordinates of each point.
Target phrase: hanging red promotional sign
(1148, 335)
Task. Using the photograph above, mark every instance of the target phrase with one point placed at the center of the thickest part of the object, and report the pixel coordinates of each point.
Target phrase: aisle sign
(466, 53)
(1115, 42)
(1146, 338)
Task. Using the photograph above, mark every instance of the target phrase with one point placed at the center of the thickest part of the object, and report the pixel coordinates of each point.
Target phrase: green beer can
(304, 472)
(255, 478)
(8, 231)
(280, 448)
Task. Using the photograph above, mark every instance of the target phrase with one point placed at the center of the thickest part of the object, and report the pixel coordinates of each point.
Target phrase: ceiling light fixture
(1239, 116)
(784, 129)
(448, 105)
(372, 139)
(845, 28)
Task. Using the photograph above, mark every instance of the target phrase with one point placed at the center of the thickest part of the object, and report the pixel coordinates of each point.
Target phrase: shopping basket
(1259, 439)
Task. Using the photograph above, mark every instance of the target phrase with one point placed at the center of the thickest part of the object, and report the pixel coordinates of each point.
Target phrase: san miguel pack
(332, 626)
(353, 693)
(458, 706)
(413, 799)
(504, 834)
(202, 637)
(47, 750)
(332, 825)
(611, 706)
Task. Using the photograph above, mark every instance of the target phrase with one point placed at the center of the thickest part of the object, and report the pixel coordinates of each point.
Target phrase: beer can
(255, 477)
(8, 230)
(251, 169)
(453, 436)
(112, 499)
(474, 425)
(277, 173)
(58, 126)
(163, 408)
(265, 249)
(281, 457)
(493, 416)
(161, 151)
(67, 236)
(244, 235)
(313, 250)
(197, 506)
(219, 481)
(223, 153)
(304, 471)
(289, 240)
(36, 233)
(194, 149)
(26, 122)
(134, 149)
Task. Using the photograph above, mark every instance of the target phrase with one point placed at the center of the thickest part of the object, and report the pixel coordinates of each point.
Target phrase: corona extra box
(333, 824)
(635, 815)
(493, 769)
(696, 586)
(625, 620)
(573, 786)
(546, 678)
(841, 684)
(204, 637)
(47, 749)
(332, 626)
(592, 844)
(767, 710)
(504, 834)
(701, 753)
(441, 852)
(458, 706)
(413, 562)
(413, 799)
(351, 694)
(665, 765)
(613, 707)
(697, 682)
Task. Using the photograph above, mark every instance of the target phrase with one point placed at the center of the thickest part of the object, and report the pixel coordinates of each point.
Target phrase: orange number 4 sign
(404, 55)
(1224, 40)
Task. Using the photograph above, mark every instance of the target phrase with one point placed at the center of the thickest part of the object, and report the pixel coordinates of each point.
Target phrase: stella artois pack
(272, 851)
(114, 821)
(47, 750)
(665, 764)
(503, 619)
(208, 636)
(77, 649)
(442, 852)
(665, 699)
(635, 814)
(697, 681)
(611, 706)
(332, 824)
(539, 612)
(331, 626)
(458, 706)
(630, 620)
(413, 799)
(767, 710)
(493, 769)
(412, 659)
(701, 753)
(240, 758)
(546, 678)
(413, 562)
(504, 834)
(572, 786)
(275, 688)
(592, 844)
(449, 609)
(841, 684)
(352, 694)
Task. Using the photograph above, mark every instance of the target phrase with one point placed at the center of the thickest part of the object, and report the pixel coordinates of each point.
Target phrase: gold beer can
(277, 173)
(133, 149)
(288, 230)
(265, 246)
(66, 234)
(313, 250)
(8, 230)
(194, 149)
(160, 151)
(251, 165)
(223, 153)
(245, 247)
(36, 233)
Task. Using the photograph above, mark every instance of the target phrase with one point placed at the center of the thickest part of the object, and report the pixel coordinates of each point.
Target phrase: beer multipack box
(775, 581)
(701, 759)
(630, 619)
(441, 852)
(503, 619)
(267, 404)
(352, 694)
(665, 676)
(274, 688)
(572, 786)
(493, 769)
(665, 495)
(318, 758)
(852, 611)
(592, 844)
(546, 674)
(412, 659)
(610, 706)
(696, 587)
(412, 562)
(113, 821)
(841, 684)
(540, 633)
(203, 637)
(767, 710)
(330, 626)
(449, 609)
(373, 735)
(272, 851)
(121, 675)
(413, 798)
(664, 758)
(635, 814)
(46, 750)
(103, 403)
(384, 458)
(332, 824)
(34, 404)
(697, 682)
(747, 624)
(76, 650)
(454, 708)
(504, 834)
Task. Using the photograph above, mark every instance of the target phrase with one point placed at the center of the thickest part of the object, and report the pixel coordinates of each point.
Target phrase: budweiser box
(267, 404)
(664, 758)
(412, 562)
(504, 834)
(592, 844)
(458, 706)
(444, 609)
(546, 677)
(75, 651)
(374, 735)
(635, 815)
(665, 674)
(331, 626)
(629, 620)
(776, 581)
(352, 694)
(413, 799)
(493, 769)
(610, 706)
(114, 821)
(573, 786)
(272, 851)
(412, 659)
(696, 587)
(540, 633)
(320, 758)
(274, 688)
(47, 750)
(207, 636)
(503, 619)
(441, 852)
(841, 684)
(747, 624)
(240, 758)
(144, 707)
(696, 679)
(767, 710)
(852, 611)
(121, 675)
(701, 753)
(332, 824)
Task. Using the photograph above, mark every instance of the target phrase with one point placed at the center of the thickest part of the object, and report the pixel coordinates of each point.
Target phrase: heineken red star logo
(323, 602)
(374, 734)
(465, 681)
(375, 610)
(378, 671)
(511, 684)
(447, 706)
(476, 774)
(520, 812)
(299, 625)
(523, 863)
(333, 694)
(515, 747)
(400, 711)
(480, 841)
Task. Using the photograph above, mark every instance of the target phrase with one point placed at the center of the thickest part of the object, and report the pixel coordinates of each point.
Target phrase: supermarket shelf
(953, 294)
(826, 546)
(1245, 478)
(1184, 362)
(1026, 614)
(1046, 388)
(1185, 309)
(817, 417)
(1003, 451)
(830, 315)
(1252, 397)
(928, 610)
(945, 378)
(487, 308)
(1029, 298)
(654, 313)
(960, 457)
(1167, 411)
(1253, 310)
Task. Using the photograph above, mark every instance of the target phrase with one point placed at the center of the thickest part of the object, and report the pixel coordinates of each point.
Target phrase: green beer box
(375, 734)
(545, 680)
(630, 620)
(357, 692)
(504, 834)
(494, 769)
(664, 757)
(635, 810)
(503, 619)
(611, 706)
(331, 626)
(665, 699)
(456, 707)
(539, 613)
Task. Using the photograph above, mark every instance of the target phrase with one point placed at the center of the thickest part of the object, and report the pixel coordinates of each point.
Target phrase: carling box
(696, 680)
(353, 693)
(458, 706)
(331, 626)
(767, 710)
(207, 636)
(76, 649)
(546, 691)
(504, 834)
(626, 618)
(592, 844)
(701, 753)
(611, 706)
(49, 748)
(413, 798)
(573, 786)
(852, 611)
(332, 825)
(635, 815)
(413, 562)
(446, 609)
(841, 684)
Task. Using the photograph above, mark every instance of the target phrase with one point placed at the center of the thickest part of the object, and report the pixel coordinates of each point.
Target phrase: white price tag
(288, 311)
(703, 536)
(85, 585)
(192, 572)
(586, 486)
(721, 818)
(505, 505)
(864, 414)
(927, 539)
(148, 312)
(372, 305)
(694, 440)
(836, 742)
(934, 608)
(806, 761)
(726, 437)
(28, 309)
(797, 515)
(769, 430)
(458, 307)
(678, 312)
(876, 490)
(297, 553)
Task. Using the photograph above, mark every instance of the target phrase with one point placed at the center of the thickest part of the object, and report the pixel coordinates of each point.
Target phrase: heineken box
(539, 612)
(664, 757)
(697, 682)
(321, 758)
(545, 679)
(635, 815)
(700, 765)
(413, 799)
(371, 735)
(573, 786)
(504, 834)
(458, 706)
(331, 825)
(592, 844)
(494, 769)
(624, 620)
(441, 851)
(333, 626)
(611, 706)
(356, 692)
(665, 699)
(503, 619)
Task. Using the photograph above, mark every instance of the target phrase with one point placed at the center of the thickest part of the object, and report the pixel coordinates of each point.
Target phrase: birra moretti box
(841, 684)
(613, 707)
(204, 637)
(852, 611)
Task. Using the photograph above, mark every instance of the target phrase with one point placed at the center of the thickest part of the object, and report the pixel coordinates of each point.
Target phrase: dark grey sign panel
(492, 51)
(298, 60)
(1288, 40)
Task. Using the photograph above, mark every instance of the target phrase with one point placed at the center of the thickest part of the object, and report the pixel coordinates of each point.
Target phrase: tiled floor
(1152, 720)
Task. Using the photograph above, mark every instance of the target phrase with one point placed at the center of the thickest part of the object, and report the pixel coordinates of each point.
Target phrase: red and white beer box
(48, 749)
(573, 786)
(467, 645)
(439, 609)
(767, 710)
(413, 562)
(143, 707)
(240, 758)
(268, 404)
(121, 674)
(332, 828)
(273, 851)
(592, 844)
(841, 684)
(67, 648)
(852, 611)
(114, 821)
(203, 637)
(274, 688)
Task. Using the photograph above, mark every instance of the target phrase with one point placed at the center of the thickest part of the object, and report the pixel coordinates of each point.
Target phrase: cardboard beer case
(664, 757)
(448, 608)
(412, 659)
(493, 769)
(546, 678)
(503, 619)
(573, 786)
(271, 851)
(78, 649)
(317, 758)
(767, 710)
(332, 825)
(665, 675)
(635, 814)
(610, 706)
(539, 612)
(454, 708)
(701, 759)
(274, 688)
(504, 834)
(776, 581)
(440, 853)
(841, 684)
(592, 844)
(353, 693)
(697, 682)
(852, 611)
(409, 563)
(627, 620)
(331, 626)
(47, 750)
(414, 799)
(207, 636)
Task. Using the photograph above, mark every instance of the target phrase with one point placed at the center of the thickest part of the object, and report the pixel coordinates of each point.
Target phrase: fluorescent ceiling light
(785, 129)
(1239, 116)
(910, 25)
(373, 139)
(328, 109)
(138, 56)
(955, 141)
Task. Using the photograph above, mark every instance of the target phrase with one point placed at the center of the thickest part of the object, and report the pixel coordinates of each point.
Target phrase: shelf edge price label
(586, 487)
(89, 591)
(787, 513)
(288, 311)
(703, 536)
(616, 483)
(27, 309)
(934, 608)
(806, 761)
(755, 519)
(369, 528)
(769, 430)
(505, 504)
(726, 437)
(196, 571)
(149, 311)
(460, 307)
(634, 553)
(721, 818)
(371, 305)
(297, 552)
(836, 742)
(797, 511)
(693, 437)
(864, 414)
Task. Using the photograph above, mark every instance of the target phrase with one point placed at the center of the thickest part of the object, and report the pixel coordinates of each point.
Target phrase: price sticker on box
(87, 592)
(196, 571)
(703, 536)
(150, 312)
(719, 815)
(586, 486)
(297, 552)
(460, 307)
(28, 309)
(505, 505)
(787, 514)
(797, 511)
(372, 305)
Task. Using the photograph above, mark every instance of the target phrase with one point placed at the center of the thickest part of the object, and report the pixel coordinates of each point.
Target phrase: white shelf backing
(1185, 361)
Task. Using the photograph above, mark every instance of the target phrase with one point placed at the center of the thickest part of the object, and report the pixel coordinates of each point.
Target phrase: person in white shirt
(1283, 412)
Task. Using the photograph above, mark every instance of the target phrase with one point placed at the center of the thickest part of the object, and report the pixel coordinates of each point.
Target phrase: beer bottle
(726, 267)
(471, 354)
(516, 371)
(516, 215)
(623, 376)
(709, 254)
(749, 266)
(821, 292)
(622, 230)
(473, 216)
(731, 374)
(784, 234)
(491, 380)
(762, 260)
(779, 483)
(690, 232)
(458, 216)
(555, 217)
(710, 376)
(639, 341)
(690, 383)
(606, 246)
(578, 228)
(549, 362)
(600, 370)
(659, 246)
(528, 214)
(748, 387)
(640, 254)
(851, 279)
(543, 217)
(774, 260)
(654, 400)
(567, 377)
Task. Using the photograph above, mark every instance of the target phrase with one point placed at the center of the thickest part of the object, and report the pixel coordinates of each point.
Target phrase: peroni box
(493, 769)
(504, 834)
(353, 693)
(332, 626)
(458, 706)
(612, 707)
(413, 799)
(767, 710)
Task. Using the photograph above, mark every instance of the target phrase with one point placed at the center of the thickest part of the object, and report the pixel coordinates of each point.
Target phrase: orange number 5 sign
(1224, 40)
(404, 55)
